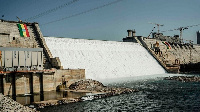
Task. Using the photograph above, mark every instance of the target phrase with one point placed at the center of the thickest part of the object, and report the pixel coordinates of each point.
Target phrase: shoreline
(7, 104)
(184, 78)
(93, 96)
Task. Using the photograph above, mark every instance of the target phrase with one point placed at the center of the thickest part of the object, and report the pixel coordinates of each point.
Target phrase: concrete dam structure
(104, 59)
(26, 64)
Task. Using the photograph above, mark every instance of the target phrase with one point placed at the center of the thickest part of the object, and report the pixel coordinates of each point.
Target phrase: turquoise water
(155, 94)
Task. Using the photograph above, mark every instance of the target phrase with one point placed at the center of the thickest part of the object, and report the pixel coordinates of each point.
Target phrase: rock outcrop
(9, 105)
(96, 86)
(88, 84)
(184, 78)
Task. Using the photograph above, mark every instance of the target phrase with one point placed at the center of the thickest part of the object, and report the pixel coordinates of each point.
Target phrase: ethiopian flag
(23, 30)
(167, 44)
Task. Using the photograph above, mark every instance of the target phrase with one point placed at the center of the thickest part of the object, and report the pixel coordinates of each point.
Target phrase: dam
(32, 63)
(104, 59)
(33, 67)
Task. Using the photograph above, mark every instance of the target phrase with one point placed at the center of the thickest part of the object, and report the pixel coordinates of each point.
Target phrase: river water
(155, 94)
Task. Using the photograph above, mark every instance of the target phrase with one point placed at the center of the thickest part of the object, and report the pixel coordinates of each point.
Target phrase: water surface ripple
(154, 95)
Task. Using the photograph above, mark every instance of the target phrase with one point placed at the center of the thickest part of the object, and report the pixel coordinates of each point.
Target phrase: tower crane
(181, 31)
(157, 25)
(19, 19)
(151, 32)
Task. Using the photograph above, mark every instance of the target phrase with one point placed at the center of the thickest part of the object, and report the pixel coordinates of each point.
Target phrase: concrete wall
(183, 52)
(22, 82)
(10, 37)
(70, 75)
(50, 80)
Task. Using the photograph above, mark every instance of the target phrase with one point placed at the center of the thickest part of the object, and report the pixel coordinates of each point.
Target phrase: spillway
(104, 59)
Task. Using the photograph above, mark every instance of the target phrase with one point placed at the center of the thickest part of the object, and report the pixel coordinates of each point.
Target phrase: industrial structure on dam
(27, 65)
(31, 63)
(174, 55)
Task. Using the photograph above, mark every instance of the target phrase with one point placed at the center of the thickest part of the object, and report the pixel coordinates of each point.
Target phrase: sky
(105, 19)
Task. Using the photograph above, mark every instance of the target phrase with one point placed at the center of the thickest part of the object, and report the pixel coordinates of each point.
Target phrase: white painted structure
(104, 59)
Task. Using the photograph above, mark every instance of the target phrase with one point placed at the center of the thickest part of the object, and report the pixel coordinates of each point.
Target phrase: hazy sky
(93, 19)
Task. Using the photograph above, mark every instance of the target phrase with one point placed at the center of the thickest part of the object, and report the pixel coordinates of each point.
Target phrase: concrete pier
(41, 82)
(1, 84)
(13, 83)
(31, 83)
(27, 82)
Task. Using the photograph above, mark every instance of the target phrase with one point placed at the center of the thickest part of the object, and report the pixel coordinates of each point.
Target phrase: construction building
(172, 54)
(26, 63)
(131, 36)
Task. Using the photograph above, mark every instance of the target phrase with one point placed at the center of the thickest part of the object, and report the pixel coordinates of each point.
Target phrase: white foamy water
(104, 59)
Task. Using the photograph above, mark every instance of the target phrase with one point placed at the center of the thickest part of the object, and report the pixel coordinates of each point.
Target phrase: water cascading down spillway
(104, 59)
